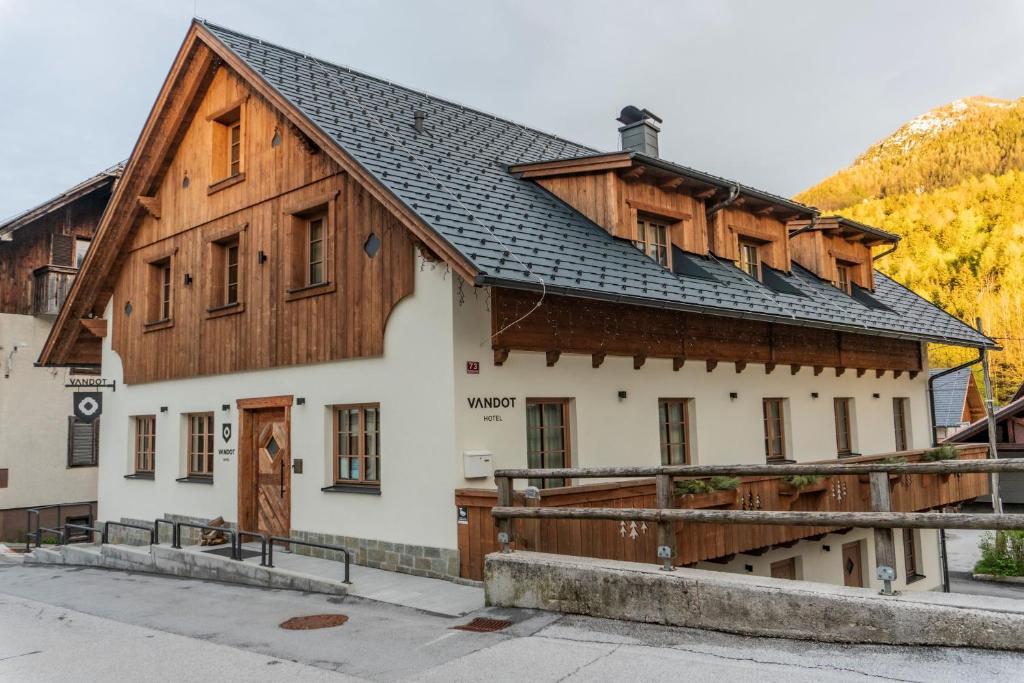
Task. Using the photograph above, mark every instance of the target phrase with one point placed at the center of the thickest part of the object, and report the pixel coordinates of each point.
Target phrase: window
(784, 569)
(83, 442)
(910, 556)
(547, 438)
(200, 444)
(844, 426)
(234, 148)
(145, 444)
(231, 273)
(227, 146)
(652, 239)
(315, 249)
(774, 429)
(3, 478)
(357, 445)
(160, 295)
(675, 431)
(843, 277)
(225, 272)
(750, 259)
(899, 418)
(81, 247)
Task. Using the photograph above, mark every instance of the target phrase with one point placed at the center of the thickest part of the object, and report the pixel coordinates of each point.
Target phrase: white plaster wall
(613, 431)
(815, 563)
(412, 382)
(34, 409)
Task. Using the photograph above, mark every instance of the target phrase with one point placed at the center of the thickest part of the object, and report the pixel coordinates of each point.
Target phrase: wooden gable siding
(269, 330)
(31, 248)
(818, 251)
(613, 203)
(571, 325)
(732, 224)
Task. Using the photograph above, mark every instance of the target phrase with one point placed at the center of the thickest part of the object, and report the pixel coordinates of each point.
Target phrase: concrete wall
(412, 383)
(34, 409)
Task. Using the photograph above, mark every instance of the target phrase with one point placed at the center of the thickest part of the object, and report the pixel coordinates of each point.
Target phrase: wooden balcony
(699, 541)
(50, 286)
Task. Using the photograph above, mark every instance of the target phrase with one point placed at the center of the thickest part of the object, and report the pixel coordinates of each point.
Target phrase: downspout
(734, 193)
(886, 253)
(809, 226)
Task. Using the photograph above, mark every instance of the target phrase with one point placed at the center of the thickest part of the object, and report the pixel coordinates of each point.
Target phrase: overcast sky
(775, 94)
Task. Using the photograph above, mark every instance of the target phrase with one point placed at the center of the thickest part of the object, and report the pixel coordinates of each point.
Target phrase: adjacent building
(1009, 443)
(333, 305)
(957, 402)
(48, 456)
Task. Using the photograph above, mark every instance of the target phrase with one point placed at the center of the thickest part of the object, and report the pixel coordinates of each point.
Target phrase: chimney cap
(631, 114)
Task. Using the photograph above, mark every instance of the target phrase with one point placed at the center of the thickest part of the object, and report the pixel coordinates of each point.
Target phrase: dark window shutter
(62, 252)
(83, 442)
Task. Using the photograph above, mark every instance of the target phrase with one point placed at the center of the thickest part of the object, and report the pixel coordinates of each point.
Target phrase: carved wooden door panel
(273, 472)
(853, 567)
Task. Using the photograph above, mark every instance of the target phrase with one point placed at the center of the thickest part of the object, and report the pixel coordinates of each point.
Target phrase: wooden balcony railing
(701, 541)
(50, 286)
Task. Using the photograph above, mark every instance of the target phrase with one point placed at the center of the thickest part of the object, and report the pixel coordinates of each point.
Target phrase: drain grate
(484, 625)
(314, 621)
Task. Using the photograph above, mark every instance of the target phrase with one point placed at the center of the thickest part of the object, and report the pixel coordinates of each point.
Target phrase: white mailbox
(477, 464)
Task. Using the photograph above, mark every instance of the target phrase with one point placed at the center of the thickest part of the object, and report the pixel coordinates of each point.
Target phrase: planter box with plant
(705, 493)
(798, 484)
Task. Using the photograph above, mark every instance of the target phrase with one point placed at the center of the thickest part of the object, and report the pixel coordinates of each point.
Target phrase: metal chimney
(639, 131)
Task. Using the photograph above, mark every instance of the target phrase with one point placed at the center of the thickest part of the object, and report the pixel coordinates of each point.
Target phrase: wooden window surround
(899, 418)
(774, 429)
(83, 442)
(200, 446)
(784, 569)
(674, 430)
(548, 438)
(160, 291)
(843, 280)
(750, 258)
(311, 229)
(145, 445)
(356, 449)
(844, 426)
(653, 237)
(228, 146)
(226, 276)
(910, 555)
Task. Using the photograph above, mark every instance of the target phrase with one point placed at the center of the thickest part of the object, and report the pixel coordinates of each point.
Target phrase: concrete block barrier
(750, 605)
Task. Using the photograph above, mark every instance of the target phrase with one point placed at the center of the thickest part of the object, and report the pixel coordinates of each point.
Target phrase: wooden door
(273, 470)
(853, 564)
(784, 569)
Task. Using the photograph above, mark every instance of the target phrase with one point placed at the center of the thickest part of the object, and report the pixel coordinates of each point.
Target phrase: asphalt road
(77, 624)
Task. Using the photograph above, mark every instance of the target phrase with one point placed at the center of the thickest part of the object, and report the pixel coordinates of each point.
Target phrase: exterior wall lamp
(733, 395)
(814, 394)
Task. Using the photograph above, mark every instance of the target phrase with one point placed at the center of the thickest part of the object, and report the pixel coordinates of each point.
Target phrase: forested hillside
(951, 184)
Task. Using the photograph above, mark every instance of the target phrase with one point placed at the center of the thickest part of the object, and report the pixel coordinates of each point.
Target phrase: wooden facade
(698, 542)
(820, 253)
(570, 325)
(734, 224)
(274, 322)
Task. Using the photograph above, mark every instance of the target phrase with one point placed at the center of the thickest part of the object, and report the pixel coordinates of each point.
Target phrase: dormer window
(652, 238)
(843, 277)
(750, 259)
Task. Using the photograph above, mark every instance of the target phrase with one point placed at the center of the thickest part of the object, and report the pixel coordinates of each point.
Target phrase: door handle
(282, 478)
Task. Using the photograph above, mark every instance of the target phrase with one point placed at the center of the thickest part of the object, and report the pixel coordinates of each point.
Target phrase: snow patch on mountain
(932, 122)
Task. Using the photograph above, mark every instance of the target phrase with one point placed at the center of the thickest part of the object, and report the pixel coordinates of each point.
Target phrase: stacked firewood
(211, 537)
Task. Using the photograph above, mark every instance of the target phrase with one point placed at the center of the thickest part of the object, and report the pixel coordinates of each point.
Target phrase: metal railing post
(885, 546)
(504, 485)
(665, 500)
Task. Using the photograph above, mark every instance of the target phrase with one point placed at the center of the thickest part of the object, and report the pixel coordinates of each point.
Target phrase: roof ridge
(110, 171)
(395, 84)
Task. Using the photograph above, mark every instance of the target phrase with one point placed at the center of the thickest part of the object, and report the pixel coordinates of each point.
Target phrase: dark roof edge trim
(72, 194)
(485, 279)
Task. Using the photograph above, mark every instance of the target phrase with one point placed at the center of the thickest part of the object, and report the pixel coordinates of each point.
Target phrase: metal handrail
(127, 525)
(156, 530)
(176, 543)
(241, 533)
(309, 544)
(37, 509)
(82, 527)
(39, 535)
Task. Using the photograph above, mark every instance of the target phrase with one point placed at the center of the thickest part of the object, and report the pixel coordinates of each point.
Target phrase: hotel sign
(491, 403)
(91, 383)
(88, 405)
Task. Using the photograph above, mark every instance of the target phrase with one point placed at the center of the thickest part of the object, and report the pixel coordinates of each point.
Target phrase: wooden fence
(697, 541)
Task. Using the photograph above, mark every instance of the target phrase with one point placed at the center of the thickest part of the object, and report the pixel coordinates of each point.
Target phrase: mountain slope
(942, 147)
(951, 184)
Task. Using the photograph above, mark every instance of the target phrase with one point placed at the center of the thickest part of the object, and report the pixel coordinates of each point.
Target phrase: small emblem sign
(472, 367)
(88, 405)
(225, 431)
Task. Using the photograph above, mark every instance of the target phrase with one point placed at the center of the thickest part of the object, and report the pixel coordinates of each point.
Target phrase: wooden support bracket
(896, 374)
(818, 369)
(596, 359)
(840, 371)
(861, 371)
(741, 365)
(639, 360)
(500, 356)
(793, 369)
(879, 373)
(768, 368)
(912, 374)
(552, 357)
(677, 363)
(151, 205)
(711, 365)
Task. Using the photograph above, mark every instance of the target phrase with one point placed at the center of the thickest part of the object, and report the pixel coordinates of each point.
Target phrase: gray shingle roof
(455, 178)
(950, 393)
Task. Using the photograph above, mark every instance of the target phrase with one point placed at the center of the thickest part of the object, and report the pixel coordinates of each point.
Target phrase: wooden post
(885, 547)
(504, 525)
(665, 499)
(993, 450)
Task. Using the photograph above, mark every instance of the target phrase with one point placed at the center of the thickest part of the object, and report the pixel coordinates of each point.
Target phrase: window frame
(144, 448)
(566, 428)
(227, 153)
(769, 436)
(642, 230)
(79, 241)
(308, 260)
(220, 245)
(900, 409)
(297, 258)
(844, 281)
(362, 482)
(842, 409)
(160, 292)
(745, 264)
(911, 555)
(664, 430)
(190, 452)
(94, 447)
